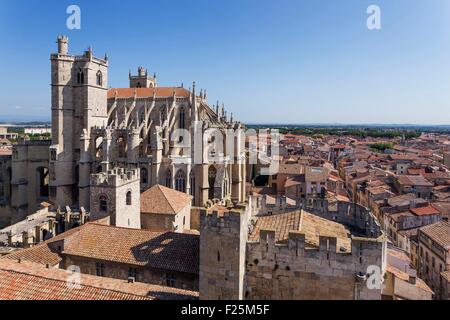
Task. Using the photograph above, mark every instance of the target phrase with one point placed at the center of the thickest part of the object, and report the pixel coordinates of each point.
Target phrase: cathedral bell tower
(79, 86)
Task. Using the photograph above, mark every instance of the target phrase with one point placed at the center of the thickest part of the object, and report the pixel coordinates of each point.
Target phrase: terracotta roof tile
(147, 92)
(311, 225)
(30, 281)
(439, 232)
(422, 211)
(162, 200)
(161, 250)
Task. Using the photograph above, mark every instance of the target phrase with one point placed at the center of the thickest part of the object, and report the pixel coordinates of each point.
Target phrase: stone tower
(223, 239)
(142, 79)
(116, 194)
(79, 102)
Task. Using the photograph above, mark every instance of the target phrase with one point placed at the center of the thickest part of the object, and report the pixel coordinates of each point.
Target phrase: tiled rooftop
(30, 281)
(162, 250)
(162, 200)
(309, 224)
(147, 92)
(439, 232)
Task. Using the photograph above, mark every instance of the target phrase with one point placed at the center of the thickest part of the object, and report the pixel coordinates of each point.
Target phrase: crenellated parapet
(295, 270)
(350, 214)
(115, 178)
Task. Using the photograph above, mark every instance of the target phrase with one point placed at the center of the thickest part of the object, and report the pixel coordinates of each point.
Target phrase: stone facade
(178, 222)
(233, 267)
(30, 178)
(123, 271)
(289, 271)
(222, 255)
(116, 194)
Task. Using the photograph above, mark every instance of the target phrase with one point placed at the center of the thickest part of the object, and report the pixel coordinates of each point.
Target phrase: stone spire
(193, 104)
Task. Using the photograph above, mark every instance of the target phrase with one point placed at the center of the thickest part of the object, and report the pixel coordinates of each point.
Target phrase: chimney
(25, 242)
(10, 243)
(38, 234)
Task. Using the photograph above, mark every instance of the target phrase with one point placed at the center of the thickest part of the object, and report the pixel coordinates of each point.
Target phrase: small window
(103, 204)
(99, 78)
(218, 255)
(170, 280)
(128, 200)
(80, 77)
(100, 269)
(133, 273)
(144, 176)
(53, 155)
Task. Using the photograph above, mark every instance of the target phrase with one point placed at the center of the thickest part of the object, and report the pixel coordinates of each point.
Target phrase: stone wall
(222, 255)
(290, 271)
(145, 274)
(115, 185)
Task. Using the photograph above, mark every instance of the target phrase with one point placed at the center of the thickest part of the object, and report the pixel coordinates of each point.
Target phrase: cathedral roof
(161, 200)
(147, 92)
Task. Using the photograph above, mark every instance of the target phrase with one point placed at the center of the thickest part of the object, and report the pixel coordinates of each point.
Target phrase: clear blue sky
(284, 61)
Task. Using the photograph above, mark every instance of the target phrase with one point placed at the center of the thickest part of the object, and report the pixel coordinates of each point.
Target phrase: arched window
(212, 172)
(103, 204)
(128, 198)
(169, 179)
(42, 182)
(180, 181)
(144, 175)
(182, 116)
(192, 182)
(121, 147)
(99, 78)
(80, 77)
(138, 85)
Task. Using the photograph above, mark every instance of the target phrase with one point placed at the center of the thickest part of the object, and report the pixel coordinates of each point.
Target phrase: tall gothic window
(180, 181)
(182, 116)
(212, 173)
(128, 198)
(121, 147)
(144, 175)
(99, 78)
(169, 179)
(103, 204)
(192, 182)
(80, 77)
